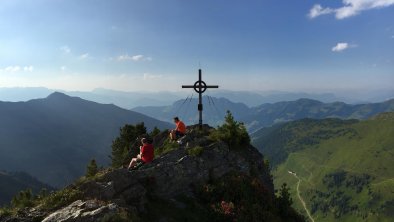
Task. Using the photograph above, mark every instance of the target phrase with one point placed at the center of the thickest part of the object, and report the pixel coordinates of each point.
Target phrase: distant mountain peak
(62, 97)
(306, 100)
(57, 95)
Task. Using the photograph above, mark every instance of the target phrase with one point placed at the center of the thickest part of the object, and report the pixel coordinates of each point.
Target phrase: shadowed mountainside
(12, 183)
(54, 138)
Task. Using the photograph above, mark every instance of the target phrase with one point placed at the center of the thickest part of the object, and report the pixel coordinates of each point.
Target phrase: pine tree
(154, 132)
(23, 199)
(232, 132)
(91, 169)
(284, 200)
(284, 195)
(126, 145)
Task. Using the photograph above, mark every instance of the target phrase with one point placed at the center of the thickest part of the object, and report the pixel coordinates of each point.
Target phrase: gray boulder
(80, 211)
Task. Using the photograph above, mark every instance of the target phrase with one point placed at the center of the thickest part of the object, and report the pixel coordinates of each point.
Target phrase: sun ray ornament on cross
(200, 87)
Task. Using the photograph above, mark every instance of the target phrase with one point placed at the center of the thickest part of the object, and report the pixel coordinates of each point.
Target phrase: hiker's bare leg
(133, 162)
(172, 135)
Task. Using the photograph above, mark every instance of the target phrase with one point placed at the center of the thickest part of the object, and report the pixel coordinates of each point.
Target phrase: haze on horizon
(130, 45)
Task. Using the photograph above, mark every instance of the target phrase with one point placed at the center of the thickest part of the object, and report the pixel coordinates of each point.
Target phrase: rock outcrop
(81, 211)
(177, 173)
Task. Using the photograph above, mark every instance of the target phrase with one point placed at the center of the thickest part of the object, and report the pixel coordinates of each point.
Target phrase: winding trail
(299, 196)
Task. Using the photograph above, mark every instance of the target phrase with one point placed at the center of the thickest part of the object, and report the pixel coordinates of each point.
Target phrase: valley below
(342, 169)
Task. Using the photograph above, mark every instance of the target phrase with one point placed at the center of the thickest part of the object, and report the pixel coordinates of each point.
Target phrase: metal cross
(200, 87)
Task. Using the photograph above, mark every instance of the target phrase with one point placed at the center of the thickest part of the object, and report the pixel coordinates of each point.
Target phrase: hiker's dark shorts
(178, 134)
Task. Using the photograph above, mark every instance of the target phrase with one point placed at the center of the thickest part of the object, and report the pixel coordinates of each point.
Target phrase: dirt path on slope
(299, 197)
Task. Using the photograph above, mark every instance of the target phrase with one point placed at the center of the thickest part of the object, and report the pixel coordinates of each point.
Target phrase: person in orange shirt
(179, 131)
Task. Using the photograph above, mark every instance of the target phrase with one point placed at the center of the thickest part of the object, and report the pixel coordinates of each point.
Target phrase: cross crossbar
(200, 87)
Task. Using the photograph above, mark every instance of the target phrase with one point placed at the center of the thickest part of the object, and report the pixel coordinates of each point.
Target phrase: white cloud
(83, 56)
(135, 58)
(340, 47)
(28, 68)
(123, 57)
(349, 8)
(317, 10)
(12, 69)
(65, 49)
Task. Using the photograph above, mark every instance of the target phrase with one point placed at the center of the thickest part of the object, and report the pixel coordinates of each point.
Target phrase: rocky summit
(198, 179)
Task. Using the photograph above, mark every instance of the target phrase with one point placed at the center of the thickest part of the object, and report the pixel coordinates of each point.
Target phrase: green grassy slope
(346, 168)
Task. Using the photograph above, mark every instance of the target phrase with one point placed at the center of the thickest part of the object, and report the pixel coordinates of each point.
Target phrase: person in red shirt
(179, 131)
(146, 154)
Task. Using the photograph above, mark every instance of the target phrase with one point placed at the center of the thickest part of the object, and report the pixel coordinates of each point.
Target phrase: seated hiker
(146, 154)
(179, 131)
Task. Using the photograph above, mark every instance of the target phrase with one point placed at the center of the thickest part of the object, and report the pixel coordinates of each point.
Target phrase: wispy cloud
(349, 8)
(28, 68)
(63, 68)
(83, 56)
(65, 49)
(12, 69)
(135, 58)
(317, 10)
(341, 46)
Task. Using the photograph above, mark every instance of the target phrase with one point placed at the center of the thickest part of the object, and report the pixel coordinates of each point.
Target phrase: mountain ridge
(131, 99)
(48, 130)
(265, 114)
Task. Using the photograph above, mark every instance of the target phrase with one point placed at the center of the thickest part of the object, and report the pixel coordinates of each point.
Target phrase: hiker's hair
(176, 118)
(144, 140)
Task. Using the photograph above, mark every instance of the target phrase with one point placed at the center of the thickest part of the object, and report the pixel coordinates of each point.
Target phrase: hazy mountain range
(214, 110)
(269, 114)
(54, 138)
(122, 99)
(342, 169)
(264, 115)
(130, 100)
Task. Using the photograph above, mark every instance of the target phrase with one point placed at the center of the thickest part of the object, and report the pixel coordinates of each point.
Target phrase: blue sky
(132, 45)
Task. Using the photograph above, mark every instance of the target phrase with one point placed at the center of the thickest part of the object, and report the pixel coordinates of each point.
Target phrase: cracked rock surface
(89, 210)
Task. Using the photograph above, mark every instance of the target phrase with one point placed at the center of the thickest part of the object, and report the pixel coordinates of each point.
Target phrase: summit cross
(200, 87)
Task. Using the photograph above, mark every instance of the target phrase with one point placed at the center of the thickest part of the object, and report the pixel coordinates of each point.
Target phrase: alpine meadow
(340, 168)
